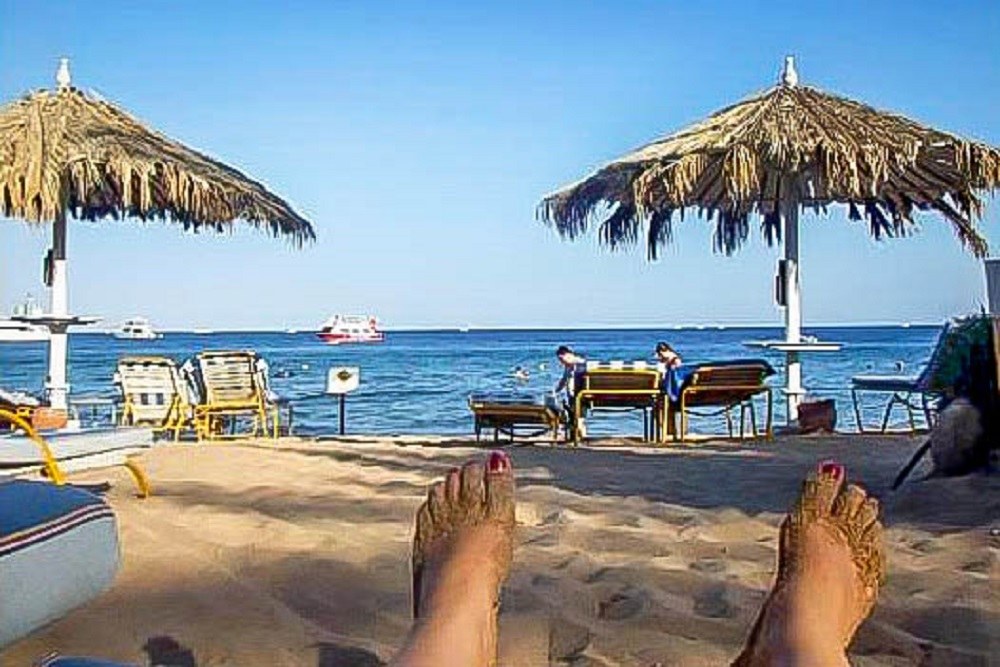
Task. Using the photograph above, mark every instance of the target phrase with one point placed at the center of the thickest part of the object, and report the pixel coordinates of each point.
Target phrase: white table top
(803, 346)
(46, 319)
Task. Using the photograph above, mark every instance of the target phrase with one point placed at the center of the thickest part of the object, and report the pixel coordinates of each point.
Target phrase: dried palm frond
(791, 144)
(66, 151)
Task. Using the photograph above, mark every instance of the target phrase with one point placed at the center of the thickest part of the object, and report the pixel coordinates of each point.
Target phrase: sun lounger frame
(232, 386)
(722, 379)
(178, 414)
(902, 389)
(506, 418)
(56, 473)
(618, 387)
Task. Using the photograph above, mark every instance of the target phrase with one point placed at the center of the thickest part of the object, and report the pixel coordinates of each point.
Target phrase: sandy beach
(296, 553)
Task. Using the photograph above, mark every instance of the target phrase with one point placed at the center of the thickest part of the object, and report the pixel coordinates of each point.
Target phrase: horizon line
(506, 327)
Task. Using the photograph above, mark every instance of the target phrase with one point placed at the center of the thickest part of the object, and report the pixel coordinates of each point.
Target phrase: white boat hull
(150, 336)
(18, 332)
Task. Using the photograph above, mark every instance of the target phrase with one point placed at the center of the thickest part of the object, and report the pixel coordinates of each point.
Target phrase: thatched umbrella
(789, 148)
(63, 151)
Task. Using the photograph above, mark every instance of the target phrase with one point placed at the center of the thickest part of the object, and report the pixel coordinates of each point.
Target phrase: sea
(418, 382)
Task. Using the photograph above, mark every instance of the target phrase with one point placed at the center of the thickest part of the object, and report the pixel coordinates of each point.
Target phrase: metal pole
(343, 404)
(56, 385)
(793, 309)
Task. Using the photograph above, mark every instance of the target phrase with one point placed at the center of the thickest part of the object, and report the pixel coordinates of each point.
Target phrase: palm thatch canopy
(789, 146)
(64, 150)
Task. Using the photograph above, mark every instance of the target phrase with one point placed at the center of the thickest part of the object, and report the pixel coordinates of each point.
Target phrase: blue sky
(419, 137)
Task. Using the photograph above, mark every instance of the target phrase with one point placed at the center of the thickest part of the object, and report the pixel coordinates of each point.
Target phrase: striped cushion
(58, 550)
(619, 365)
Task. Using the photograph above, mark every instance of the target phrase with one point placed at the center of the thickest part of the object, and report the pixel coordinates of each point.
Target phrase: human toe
(472, 495)
(499, 482)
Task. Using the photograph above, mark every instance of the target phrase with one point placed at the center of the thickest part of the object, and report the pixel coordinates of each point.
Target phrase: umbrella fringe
(832, 150)
(112, 166)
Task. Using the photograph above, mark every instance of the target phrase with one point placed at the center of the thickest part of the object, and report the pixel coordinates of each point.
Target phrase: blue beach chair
(911, 392)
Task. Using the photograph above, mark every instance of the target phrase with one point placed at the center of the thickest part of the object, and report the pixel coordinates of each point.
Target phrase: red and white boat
(341, 329)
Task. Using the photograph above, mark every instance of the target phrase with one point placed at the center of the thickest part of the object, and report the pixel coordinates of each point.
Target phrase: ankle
(797, 632)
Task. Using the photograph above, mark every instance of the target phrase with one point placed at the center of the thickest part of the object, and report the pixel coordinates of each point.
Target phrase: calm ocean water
(418, 382)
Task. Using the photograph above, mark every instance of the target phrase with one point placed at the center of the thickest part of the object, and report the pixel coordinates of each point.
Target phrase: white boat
(12, 331)
(341, 329)
(137, 328)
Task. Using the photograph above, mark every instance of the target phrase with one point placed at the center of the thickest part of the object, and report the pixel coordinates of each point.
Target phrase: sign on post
(340, 382)
(343, 380)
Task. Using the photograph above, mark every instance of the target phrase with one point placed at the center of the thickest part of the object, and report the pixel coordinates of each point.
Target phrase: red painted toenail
(832, 468)
(499, 462)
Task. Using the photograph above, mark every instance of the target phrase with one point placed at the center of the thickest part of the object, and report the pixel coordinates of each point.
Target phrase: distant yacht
(202, 332)
(137, 328)
(22, 332)
(341, 329)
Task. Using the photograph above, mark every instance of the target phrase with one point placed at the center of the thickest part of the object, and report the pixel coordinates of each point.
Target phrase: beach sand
(297, 553)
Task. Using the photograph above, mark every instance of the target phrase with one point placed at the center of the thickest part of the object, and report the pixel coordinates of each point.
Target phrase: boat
(16, 331)
(341, 329)
(137, 328)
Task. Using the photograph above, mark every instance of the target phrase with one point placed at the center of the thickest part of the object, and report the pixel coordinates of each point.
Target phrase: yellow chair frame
(51, 466)
(605, 375)
(744, 402)
(217, 405)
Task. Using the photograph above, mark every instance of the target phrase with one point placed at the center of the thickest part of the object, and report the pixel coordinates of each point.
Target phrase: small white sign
(993, 285)
(343, 380)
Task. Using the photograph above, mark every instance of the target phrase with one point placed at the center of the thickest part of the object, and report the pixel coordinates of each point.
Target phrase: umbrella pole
(55, 386)
(793, 311)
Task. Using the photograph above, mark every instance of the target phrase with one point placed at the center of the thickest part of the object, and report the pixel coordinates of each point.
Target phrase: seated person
(667, 357)
(672, 368)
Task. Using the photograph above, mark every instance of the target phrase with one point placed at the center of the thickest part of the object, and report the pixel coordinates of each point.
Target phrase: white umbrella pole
(793, 311)
(56, 386)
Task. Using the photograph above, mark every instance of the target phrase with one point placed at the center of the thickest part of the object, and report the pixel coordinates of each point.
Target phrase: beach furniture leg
(684, 418)
(925, 404)
(857, 410)
(888, 412)
(909, 413)
(139, 475)
(770, 415)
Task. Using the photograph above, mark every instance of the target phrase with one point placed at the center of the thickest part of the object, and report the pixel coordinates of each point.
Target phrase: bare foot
(831, 562)
(462, 551)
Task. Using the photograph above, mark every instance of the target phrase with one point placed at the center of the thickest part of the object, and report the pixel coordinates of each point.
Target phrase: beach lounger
(232, 388)
(60, 452)
(723, 386)
(617, 386)
(58, 550)
(507, 412)
(152, 394)
(917, 393)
